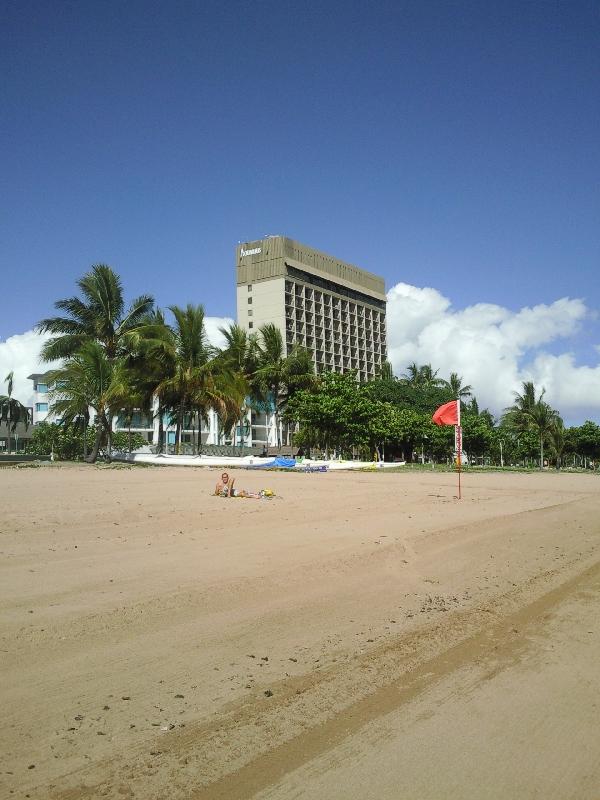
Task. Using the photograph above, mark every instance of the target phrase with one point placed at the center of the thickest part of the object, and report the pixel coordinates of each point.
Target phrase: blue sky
(445, 145)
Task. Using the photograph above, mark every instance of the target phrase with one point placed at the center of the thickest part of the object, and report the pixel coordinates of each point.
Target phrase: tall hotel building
(334, 309)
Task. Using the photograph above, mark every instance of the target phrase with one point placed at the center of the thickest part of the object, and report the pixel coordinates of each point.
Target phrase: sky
(453, 148)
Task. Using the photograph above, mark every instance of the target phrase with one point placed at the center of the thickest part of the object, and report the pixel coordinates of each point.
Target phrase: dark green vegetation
(118, 359)
(393, 415)
(66, 442)
(12, 411)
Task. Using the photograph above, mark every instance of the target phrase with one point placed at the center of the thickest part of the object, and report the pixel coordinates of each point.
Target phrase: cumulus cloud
(493, 348)
(215, 337)
(20, 354)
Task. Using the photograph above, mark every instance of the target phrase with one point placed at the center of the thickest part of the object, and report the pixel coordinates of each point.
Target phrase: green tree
(277, 376)
(72, 397)
(558, 442)
(98, 317)
(386, 372)
(424, 376)
(532, 413)
(239, 356)
(11, 410)
(194, 379)
(587, 440)
(477, 435)
(405, 394)
(87, 376)
(67, 442)
(340, 415)
(456, 388)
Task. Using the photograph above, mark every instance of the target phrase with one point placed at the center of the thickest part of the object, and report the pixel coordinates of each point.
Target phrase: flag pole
(459, 437)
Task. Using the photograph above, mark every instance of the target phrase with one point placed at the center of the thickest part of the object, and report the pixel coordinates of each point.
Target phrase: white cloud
(215, 337)
(493, 348)
(20, 353)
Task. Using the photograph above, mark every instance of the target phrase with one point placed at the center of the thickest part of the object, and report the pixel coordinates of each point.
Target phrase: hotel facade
(333, 309)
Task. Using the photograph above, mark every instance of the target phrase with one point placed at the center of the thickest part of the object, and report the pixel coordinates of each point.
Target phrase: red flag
(447, 414)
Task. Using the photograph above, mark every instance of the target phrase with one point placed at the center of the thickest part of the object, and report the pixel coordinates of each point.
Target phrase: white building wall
(41, 401)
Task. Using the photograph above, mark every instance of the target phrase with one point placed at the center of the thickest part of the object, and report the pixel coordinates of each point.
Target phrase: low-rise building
(41, 401)
(18, 438)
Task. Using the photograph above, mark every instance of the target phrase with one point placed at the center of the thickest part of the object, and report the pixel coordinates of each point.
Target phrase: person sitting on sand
(224, 487)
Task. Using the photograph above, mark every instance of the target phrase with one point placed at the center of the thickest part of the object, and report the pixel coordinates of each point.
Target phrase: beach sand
(357, 636)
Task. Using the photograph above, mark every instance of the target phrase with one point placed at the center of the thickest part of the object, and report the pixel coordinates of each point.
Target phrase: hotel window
(249, 312)
(250, 324)
(41, 406)
(42, 388)
(249, 301)
(249, 287)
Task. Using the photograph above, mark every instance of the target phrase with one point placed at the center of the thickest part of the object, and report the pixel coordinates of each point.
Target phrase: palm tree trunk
(541, 451)
(178, 432)
(161, 430)
(86, 422)
(129, 437)
(108, 423)
(91, 459)
(8, 428)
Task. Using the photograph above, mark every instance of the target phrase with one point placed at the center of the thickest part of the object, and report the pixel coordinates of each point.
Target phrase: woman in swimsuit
(224, 487)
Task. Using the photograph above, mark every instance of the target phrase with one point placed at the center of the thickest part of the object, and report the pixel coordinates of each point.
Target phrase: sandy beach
(357, 636)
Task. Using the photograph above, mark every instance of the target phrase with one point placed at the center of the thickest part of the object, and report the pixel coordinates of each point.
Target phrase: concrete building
(334, 309)
(145, 424)
(41, 402)
(19, 438)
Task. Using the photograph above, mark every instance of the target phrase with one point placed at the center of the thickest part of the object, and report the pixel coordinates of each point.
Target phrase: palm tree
(87, 377)
(240, 357)
(11, 410)
(386, 372)
(531, 413)
(558, 441)
(185, 350)
(269, 377)
(150, 362)
(130, 392)
(193, 379)
(456, 388)
(277, 376)
(72, 397)
(240, 349)
(100, 316)
(423, 377)
(412, 374)
(544, 420)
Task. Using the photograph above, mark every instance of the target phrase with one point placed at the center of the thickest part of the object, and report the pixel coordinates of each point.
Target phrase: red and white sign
(457, 439)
